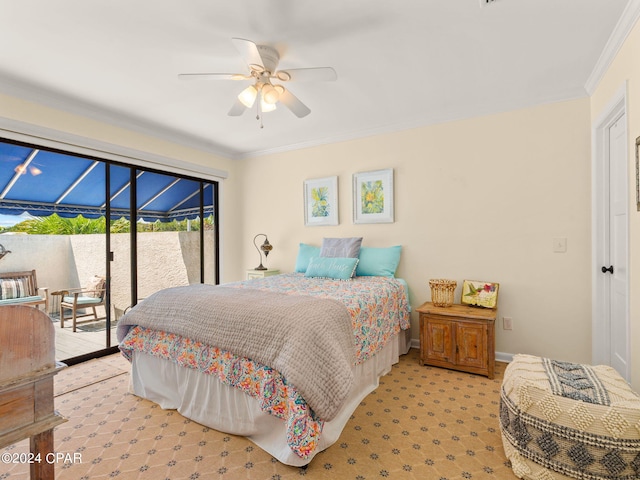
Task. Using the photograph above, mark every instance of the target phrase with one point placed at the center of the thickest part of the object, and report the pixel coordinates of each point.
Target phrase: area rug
(421, 423)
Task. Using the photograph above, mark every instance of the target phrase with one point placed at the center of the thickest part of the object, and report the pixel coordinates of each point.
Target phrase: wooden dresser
(27, 367)
(459, 337)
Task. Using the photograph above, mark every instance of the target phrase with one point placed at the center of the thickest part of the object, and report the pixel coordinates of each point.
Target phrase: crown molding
(625, 24)
(446, 117)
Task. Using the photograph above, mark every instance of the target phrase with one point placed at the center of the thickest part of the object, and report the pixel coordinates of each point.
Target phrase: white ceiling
(400, 64)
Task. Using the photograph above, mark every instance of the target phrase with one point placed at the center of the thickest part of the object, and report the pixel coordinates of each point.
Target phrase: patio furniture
(22, 288)
(27, 367)
(81, 299)
(562, 420)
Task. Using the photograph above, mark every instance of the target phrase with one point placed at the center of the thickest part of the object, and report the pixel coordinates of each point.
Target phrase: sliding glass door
(119, 245)
(168, 232)
(85, 219)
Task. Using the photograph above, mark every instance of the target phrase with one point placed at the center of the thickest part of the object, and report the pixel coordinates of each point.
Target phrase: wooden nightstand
(251, 274)
(459, 337)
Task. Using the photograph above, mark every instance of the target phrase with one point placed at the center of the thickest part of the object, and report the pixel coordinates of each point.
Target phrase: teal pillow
(378, 262)
(339, 268)
(305, 254)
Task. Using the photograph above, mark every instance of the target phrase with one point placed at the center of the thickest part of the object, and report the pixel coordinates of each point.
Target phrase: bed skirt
(203, 399)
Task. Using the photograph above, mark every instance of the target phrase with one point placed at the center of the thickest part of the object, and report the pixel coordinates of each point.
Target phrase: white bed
(203, 398)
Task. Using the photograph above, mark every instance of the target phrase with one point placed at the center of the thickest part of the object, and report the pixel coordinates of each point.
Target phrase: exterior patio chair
(89, 297)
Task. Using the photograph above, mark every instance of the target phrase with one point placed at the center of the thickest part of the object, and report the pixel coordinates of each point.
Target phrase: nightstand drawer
(251, 274)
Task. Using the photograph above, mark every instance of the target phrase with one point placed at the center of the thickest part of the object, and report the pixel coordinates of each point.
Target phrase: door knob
(605, 269)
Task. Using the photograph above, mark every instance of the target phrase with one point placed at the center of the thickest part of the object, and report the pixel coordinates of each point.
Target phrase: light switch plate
(560, 245)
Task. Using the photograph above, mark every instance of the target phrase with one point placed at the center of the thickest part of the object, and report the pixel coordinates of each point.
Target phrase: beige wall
(625, 69)
(478, 199)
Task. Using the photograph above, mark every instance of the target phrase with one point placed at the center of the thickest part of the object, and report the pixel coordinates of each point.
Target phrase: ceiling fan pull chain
(259, 110)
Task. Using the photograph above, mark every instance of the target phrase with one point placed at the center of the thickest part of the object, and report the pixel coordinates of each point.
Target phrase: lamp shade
(270, 94)
(266, 106)
(248, 96)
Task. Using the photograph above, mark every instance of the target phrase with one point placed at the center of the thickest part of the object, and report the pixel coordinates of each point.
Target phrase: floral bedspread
(378, 307)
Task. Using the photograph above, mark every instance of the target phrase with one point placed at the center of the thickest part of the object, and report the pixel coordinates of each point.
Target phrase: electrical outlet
(507, 323)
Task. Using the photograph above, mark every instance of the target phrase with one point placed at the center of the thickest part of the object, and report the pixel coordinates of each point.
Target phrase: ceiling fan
(263, 62)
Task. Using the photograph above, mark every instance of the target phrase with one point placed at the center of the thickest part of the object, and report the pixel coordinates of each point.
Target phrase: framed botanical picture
(480, 294)
(321, 201)
(373, 196)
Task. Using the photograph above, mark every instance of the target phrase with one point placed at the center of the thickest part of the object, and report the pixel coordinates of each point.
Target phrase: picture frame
(321, 201)
(479, 294)
(638, 174)
(373, 196)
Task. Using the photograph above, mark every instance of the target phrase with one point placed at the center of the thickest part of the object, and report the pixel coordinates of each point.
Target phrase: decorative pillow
(95, 286)
(379, 262)
(339, 268)
(13, 288)
(305, 254)
(341, 247)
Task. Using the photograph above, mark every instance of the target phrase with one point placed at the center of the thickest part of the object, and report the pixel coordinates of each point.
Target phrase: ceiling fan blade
(298, 108)
(213, 76)
(237, 109)
(321, 74)
(249, 52)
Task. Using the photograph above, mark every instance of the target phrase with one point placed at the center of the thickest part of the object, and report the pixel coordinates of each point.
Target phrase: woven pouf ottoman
(565, 420)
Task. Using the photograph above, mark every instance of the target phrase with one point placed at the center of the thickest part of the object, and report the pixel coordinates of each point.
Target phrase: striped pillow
(13, 288)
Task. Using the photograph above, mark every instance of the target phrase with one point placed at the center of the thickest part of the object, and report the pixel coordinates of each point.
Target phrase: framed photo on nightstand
(479, 294)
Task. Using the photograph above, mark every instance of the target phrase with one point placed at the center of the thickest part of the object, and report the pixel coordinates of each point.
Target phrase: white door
(610, 216)
(616, 284)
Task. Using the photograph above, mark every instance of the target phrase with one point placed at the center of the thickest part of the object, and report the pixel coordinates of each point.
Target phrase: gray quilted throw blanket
(308, 340)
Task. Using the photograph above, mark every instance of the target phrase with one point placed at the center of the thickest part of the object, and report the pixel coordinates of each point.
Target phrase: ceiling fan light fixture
(262, 61)
(248, 96)
(266, 106)
(270, 94)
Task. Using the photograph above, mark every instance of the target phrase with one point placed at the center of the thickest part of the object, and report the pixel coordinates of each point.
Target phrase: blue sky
(10, 220)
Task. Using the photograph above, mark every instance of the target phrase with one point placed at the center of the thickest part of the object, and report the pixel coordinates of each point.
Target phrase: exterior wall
(165, 259)
(50, 255)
